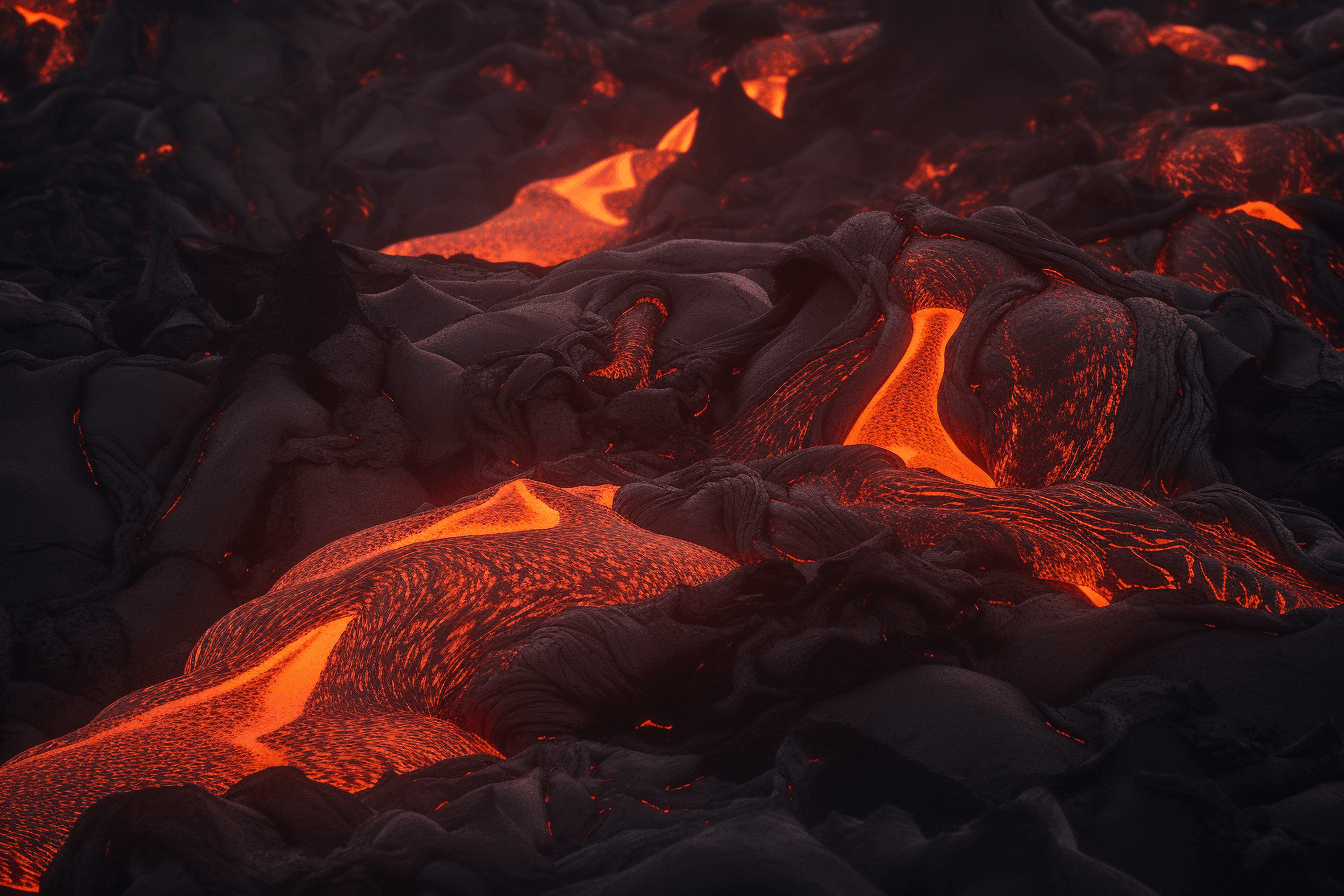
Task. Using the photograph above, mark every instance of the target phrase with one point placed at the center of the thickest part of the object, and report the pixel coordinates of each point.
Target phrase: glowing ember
(681, 135)
(1186, 40)
(903, 416)
(63, 49)
(505, 75)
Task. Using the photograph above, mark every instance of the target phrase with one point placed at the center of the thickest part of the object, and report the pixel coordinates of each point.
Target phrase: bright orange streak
(769, 92)
(219, 721)
(903, 416)
(514, 508)
(554, 220)
(31, 17)
(288, 676)
(681, 135)
(1267, 211)
(587, 190)
(1250, 63)
(299, 667)
(347, 677)
(1093, 595)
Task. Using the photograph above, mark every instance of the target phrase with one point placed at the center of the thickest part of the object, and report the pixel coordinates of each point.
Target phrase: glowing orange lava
(1261, 162)
(554, 220)
(1196, 43)
(635, 329)
(1267, 211)
(1249, 63)
(903, 416)
(551, 221)
(354, 663)
(31, 17)
(766, 66)
(1100, 538)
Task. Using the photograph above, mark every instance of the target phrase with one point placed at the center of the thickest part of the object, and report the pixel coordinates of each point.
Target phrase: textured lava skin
(354, 663)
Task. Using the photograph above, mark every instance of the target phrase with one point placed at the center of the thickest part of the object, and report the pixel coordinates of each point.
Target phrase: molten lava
(1196, 43)
(1102, 539)
(1263, 162)
(30, 17)
(1267, 211)
(635, 329)
(554, 220)
(903, 416)
(354, 663)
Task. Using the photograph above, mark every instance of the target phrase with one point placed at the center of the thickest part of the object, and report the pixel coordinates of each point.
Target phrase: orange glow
(505, 75)
(551, 221)
(1100, 538)
(765, 67)
(769, 92)
(1267, 211)
(554, 220)
(1205, 250)
(1195, 43)
(587, 190)
(1094, 596)
(224, 721)
(514, 508)
(784, 421)
(32, 17)
(1260, 161)
(903, 416)
(1188, 41)
(1250, 63)
(681, 135)
(635, 329)
(608, 85)
(354, 663)
(145, 161)
(1069, 354)
(598, 494)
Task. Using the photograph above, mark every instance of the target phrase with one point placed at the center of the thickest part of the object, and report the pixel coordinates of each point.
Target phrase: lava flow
(354, 663)
(903, 416)
(553, 220)
(1101, 539)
